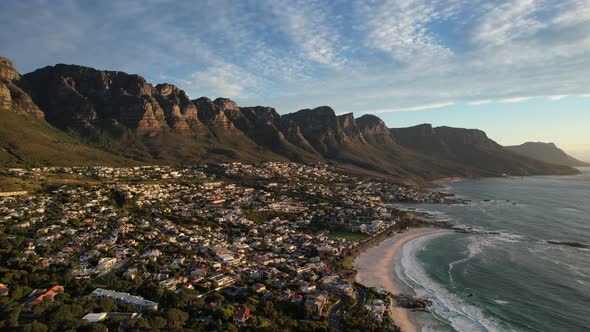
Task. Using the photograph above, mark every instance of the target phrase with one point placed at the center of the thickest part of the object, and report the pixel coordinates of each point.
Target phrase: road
(339, 309)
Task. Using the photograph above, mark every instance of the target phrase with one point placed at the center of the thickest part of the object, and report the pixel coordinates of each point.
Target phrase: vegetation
(347, 235)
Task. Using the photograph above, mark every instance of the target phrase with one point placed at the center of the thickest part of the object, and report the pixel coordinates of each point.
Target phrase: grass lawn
(350, 236)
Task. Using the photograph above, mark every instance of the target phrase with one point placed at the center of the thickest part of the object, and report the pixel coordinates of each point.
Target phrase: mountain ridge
(125, 116)
(547, 152)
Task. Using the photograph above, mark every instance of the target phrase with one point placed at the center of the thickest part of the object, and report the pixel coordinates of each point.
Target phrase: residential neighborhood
(230, 246)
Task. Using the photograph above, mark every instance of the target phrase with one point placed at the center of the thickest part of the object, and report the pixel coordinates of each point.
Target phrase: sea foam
(447, 307)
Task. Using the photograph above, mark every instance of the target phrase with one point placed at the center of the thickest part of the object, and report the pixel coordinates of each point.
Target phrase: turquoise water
(505, 276)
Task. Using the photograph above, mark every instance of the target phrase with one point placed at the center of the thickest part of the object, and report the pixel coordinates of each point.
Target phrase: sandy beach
(376, 268)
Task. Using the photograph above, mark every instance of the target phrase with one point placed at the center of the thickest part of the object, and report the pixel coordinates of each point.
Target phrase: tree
(140, 323)
(216, 297)
(107, 305)
(267, 308)
(158, 322)
(176, 317)
(227, 312)
(95, 327)
(308, 312)
(13, 315)
(35, 326)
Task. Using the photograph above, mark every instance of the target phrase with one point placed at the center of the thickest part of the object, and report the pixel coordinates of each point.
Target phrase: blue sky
(518, 69)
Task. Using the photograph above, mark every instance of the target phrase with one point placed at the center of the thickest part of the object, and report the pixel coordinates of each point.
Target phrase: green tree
(176, 317)
(267, 308)
(13, 315)
(107, 305)
(227, 312)
(35, 326)
(158, 322)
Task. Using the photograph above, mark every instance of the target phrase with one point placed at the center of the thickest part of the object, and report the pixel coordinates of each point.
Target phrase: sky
(519, 69)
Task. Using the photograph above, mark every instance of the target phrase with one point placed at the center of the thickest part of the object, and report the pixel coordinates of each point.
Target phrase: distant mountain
(68, 115)
(547, 152)
(470, 151)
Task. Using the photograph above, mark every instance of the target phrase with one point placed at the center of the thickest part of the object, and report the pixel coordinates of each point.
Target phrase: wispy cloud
(400, 29)
(381, 55)
(224, 80)
(308, 25)
(514, 100)
(509, 21)
(412, 108)
(480, 102)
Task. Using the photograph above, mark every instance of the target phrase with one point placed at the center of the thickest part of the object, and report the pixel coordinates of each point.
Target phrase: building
(241, 315)
(317, 302)
(47, 296)
(95, 317)
(3, 290)
(105, 264)
(100, 316)
(136, 302)
(220, 280)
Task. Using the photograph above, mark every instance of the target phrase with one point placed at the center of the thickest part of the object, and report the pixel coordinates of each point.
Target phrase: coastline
(376, 267)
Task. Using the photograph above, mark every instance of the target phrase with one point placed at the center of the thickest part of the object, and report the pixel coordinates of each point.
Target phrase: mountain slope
(471, 152)
(68, 114)
(124, 113)
(547, 152)
(27, 140)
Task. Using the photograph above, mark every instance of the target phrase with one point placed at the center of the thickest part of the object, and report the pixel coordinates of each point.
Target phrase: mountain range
(547, 152)
(72, 115)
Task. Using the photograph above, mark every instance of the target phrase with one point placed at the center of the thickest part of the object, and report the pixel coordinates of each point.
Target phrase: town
(209, 247)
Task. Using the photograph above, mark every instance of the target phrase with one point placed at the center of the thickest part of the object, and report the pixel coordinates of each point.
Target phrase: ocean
(504, 275)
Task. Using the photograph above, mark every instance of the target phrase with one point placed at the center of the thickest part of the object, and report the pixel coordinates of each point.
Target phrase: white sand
(376, 268)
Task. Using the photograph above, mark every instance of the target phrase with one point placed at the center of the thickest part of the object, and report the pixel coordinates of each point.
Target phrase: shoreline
(377, 265)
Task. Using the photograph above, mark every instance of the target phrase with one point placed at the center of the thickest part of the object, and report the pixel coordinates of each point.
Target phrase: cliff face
(350, 128)
(12, 96)
(180, 112)
(320, 127)
(211, 114)
(124, 114)
(81, 97)
(374, 130)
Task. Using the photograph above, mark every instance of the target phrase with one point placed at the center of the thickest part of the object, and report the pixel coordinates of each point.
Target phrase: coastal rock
(571, 244)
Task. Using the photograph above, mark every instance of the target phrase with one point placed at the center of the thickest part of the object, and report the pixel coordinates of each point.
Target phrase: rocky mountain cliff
(27, 139)
(547, 152)
(128, 119)
(12, 95)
